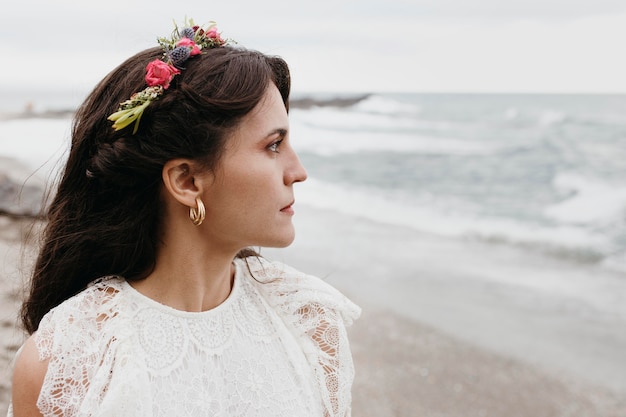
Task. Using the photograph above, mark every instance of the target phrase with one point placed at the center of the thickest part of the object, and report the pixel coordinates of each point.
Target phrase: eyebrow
(280, 131)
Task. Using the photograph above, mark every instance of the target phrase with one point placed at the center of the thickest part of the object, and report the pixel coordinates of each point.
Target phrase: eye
(275, 145)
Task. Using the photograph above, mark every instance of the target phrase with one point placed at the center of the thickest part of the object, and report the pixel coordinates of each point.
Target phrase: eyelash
(275, 145)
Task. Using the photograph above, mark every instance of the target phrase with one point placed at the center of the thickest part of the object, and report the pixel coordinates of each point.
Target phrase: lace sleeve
(68, 364)
(317, 314)
(85, 359)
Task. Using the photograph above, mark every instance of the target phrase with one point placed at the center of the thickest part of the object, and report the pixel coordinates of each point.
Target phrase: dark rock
(20, 198)
(308, 102)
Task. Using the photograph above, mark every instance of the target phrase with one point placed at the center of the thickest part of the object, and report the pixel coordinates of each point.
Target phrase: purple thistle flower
(188, 33)
(179, 54)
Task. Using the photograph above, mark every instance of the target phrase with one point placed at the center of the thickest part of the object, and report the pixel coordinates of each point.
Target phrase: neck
(189, 274)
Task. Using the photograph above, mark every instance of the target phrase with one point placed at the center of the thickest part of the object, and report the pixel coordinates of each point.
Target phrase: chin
(284, 243)
(281, 241)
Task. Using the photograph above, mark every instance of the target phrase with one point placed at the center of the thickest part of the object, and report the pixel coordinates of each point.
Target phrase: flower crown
(182, 45)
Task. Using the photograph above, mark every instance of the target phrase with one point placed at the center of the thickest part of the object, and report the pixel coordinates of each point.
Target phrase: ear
(183, 181)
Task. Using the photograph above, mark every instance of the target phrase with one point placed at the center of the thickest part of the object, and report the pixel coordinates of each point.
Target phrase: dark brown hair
(105, 216)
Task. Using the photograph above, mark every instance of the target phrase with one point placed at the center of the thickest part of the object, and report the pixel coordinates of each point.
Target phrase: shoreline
(561, 318)
(410, 360)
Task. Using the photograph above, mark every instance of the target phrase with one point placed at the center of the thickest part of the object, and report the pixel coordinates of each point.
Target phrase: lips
(288, 208)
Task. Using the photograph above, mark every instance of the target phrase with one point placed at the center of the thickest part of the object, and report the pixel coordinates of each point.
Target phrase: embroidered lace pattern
(276, 347)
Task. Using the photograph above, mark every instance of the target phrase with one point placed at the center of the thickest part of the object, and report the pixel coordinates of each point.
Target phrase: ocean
(542, 172)
(545, 172)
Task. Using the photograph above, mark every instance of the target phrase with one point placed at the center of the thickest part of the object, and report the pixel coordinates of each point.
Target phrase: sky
(338, 46)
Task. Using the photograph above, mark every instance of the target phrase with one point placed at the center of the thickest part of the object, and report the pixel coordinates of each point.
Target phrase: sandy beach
(467, 328)
(434, 339)
(13, 257)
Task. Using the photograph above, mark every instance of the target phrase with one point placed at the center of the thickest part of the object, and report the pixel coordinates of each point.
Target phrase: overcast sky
(339, 45)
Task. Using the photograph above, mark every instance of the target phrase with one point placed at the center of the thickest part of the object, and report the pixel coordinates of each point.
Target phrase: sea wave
(552, 117)
(591, 201)
(350, 119)
(327, 142)
(346, 119)
(424, 215)
(378, 104)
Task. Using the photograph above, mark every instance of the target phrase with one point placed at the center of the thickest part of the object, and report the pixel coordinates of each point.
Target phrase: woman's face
(249, 201)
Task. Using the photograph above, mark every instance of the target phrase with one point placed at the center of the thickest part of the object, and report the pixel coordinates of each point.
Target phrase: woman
(145, 299)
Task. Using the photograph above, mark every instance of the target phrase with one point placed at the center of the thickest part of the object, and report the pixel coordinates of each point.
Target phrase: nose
(295, 171)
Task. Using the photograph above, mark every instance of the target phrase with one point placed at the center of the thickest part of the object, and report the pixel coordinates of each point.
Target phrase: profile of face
(249, 201)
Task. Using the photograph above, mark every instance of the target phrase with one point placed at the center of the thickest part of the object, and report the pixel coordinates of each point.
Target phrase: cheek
(238, 195)
(256, 183)
(247, 183)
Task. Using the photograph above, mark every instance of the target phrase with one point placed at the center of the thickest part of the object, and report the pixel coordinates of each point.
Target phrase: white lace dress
(277, 346)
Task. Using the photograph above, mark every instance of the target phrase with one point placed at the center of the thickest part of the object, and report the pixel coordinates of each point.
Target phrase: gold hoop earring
(197, 214)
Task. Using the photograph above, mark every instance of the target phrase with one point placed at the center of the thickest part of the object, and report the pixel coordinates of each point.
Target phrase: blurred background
(467, 182)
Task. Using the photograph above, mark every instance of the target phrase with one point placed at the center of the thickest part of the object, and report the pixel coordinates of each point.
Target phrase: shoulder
(67, 347)
(290, 290)
(28, 378)
(79, 317)
(317, 315)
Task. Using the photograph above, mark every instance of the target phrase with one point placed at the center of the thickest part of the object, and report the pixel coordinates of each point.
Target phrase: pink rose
(160, 73)
(213, 34)
(195, 49)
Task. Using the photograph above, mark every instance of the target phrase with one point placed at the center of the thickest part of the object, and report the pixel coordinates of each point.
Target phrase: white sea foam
(593, 201)
(551, 117)
(615, 261)
(331, 142)
(350, 120)
(376, 206)
(384, 105)
(346, 119)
